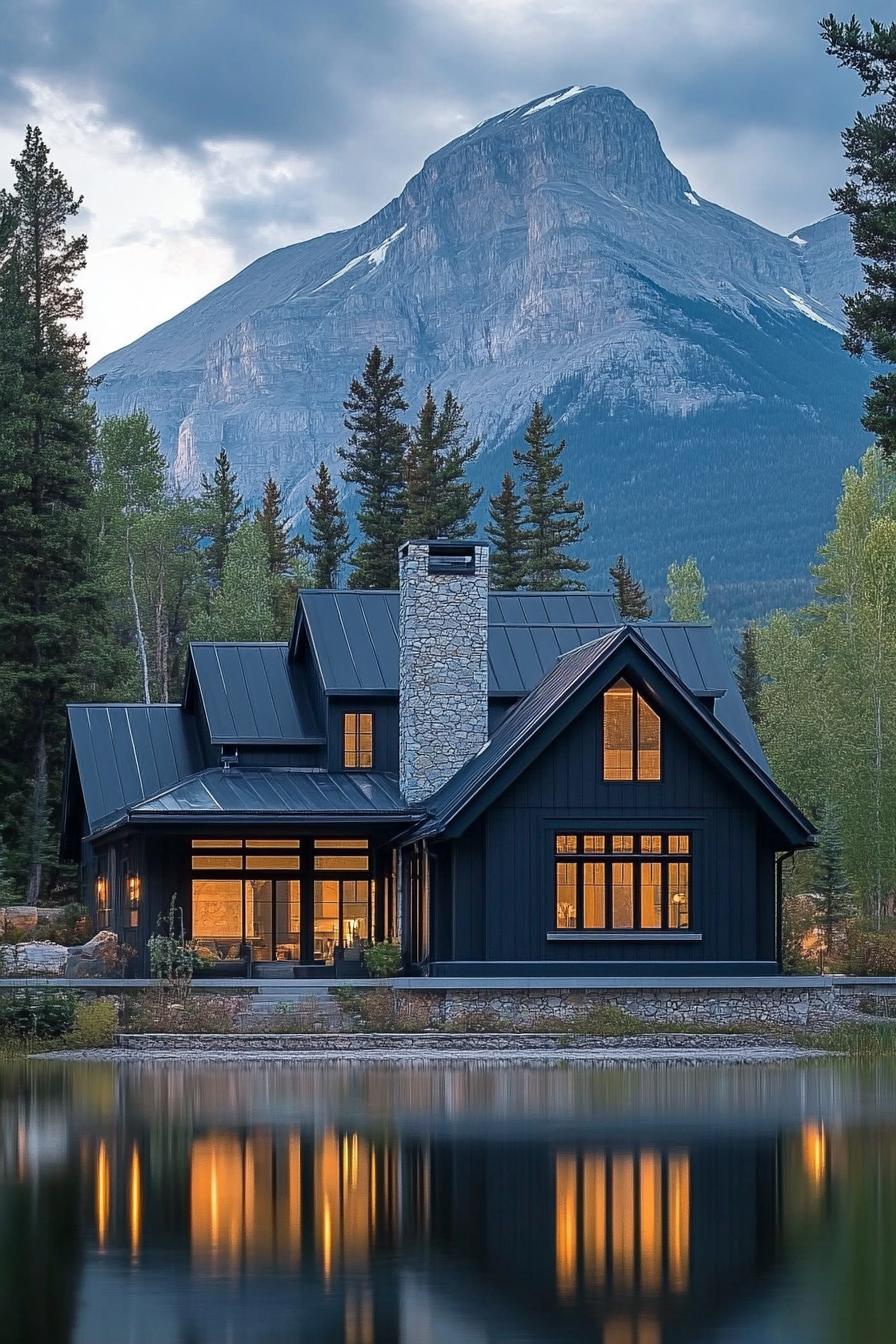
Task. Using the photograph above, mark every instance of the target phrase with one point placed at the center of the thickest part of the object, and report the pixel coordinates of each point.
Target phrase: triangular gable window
(632, 733)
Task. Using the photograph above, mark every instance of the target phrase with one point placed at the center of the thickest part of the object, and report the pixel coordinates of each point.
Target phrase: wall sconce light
(134, 900)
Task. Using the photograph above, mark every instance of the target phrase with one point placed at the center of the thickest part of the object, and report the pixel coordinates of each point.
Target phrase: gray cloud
(365, 88)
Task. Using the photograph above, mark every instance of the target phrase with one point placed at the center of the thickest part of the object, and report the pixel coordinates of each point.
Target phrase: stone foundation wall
(788, 1006)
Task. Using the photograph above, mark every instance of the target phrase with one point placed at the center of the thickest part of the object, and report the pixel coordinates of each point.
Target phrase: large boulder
(33, 959)
(97, 958)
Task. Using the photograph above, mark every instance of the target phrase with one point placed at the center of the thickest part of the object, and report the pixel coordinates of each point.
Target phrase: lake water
(446, 1204)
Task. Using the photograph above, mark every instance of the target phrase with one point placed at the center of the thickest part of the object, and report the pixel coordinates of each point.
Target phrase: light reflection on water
(453, 1204)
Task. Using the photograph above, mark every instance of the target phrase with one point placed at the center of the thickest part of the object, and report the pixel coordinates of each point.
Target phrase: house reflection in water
(365, 1239)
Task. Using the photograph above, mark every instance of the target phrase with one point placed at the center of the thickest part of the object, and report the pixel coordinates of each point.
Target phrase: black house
(509, 783)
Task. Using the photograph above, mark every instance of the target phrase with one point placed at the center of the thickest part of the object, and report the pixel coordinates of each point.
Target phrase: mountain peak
(588, 133)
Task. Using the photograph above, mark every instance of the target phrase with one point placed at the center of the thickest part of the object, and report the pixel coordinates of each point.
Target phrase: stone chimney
(442, 661)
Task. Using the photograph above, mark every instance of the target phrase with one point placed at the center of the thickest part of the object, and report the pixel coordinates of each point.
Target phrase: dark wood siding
(503, 901)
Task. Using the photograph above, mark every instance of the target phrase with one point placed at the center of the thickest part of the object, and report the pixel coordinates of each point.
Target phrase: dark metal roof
(277, 791)
(354, 636)
(549, 696)
(250, 693)
(125, 753)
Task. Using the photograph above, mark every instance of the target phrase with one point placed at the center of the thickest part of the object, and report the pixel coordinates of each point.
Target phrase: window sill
(624, 936)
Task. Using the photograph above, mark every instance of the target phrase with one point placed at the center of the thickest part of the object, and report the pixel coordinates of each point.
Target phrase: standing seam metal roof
(251, 693)
(125, 753)
(278, 791)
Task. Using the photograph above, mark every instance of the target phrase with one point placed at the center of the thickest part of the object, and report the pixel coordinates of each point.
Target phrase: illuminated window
(357, 741)
(647, 889)
(631, 735)
(102, 902)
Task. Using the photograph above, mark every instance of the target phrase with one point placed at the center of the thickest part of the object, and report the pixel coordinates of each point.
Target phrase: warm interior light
(134, 899)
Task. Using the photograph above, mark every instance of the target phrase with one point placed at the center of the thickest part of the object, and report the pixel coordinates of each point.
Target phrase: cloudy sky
(203, 133)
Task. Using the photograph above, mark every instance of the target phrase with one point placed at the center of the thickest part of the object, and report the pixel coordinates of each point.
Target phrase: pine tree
(507, 565)
(50, 604)
(831, 886)
(440, 500)
(223, 505)
(686, 593)
(631, 598)
(242, 607)
(281, 547)
(747, 674)
(374, 463)
(330, 542)
(552, 523)
(870, 201)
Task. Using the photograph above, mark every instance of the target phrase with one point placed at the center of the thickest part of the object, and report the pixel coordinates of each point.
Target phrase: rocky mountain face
(691, 357)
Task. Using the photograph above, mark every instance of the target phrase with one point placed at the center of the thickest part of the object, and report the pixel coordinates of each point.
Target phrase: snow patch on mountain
(808, 311)
(375, 257)
(795, 238)
(692, 198)
(556, 98)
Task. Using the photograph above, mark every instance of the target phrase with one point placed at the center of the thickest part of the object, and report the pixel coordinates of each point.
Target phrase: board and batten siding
(503, 867)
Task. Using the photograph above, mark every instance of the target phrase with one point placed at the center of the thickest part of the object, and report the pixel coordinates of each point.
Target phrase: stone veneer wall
(443, 669)
(785, 1005)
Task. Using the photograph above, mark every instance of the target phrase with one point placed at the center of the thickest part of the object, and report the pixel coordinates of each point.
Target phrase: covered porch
(275, 871)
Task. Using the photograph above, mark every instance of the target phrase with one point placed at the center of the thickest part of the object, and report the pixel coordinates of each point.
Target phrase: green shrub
(382, 959)
(71, 930)
(181, 1012)
(384, 1009)
(44, 1015)
(870, 951)
(95, 1024)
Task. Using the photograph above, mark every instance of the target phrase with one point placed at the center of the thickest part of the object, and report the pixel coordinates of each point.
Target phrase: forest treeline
(107, 570)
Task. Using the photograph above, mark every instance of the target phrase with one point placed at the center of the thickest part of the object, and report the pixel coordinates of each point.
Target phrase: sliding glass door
(281, 899)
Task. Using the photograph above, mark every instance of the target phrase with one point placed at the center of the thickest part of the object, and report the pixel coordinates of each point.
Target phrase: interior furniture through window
(247, 898)
(618, 881)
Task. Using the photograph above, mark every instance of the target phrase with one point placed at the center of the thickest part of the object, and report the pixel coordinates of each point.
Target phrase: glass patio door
(341, 915)
(288, 938)
(272, 919)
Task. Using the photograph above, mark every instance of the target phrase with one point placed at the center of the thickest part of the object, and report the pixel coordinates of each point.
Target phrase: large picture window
(631, 735)
(637, 882)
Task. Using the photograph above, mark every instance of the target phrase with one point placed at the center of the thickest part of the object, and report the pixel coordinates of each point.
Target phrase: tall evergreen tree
(631, 599)
(686, 592)
(243, 606)
(507, 563)
(440, 499)
(870, 202)
(281, 547)
(374, 464)
(50, 605)
(552, 522)
(329, 543)
(831, 886)
(224, 509)
(747, 673)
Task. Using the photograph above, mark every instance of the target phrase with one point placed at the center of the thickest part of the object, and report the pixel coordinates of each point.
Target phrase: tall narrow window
(618, 731)
(631, 735)
(357, 741)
